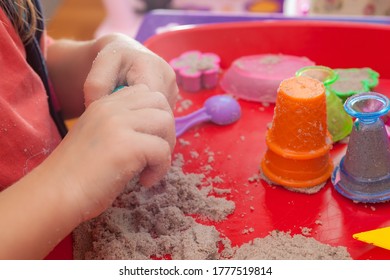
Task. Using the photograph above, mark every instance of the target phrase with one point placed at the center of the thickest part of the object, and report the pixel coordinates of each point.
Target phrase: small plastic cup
(338, 121)
(298, 142)
(363, 174)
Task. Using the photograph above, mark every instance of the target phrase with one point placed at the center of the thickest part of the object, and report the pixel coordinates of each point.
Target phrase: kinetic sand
(162, 222)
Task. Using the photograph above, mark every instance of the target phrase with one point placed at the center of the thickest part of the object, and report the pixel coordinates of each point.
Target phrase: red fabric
(27, 132)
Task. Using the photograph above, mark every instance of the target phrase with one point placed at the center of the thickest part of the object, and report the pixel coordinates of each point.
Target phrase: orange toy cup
(298, 141)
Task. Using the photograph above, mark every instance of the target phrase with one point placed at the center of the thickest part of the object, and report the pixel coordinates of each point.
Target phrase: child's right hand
(118, 137)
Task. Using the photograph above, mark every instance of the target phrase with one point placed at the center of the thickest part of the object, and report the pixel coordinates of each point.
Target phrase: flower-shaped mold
(196, 71)
(354, 80)
(257, 77)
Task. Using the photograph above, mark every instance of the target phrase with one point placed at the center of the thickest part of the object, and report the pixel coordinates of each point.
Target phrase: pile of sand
(156, 221)
(161, 222)
(283, 246)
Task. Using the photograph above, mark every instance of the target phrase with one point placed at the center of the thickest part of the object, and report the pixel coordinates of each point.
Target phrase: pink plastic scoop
(219, 109)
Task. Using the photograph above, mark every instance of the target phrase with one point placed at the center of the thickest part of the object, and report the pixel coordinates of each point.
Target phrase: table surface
(76, 19)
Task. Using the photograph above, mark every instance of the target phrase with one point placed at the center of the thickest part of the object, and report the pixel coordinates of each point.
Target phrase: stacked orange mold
(298, 141)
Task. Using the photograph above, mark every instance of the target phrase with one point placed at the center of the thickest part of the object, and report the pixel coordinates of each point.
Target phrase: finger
(154, 72)
(144, 112)
(154, 122)
(105, 75)
(155, 158)
(139, 97)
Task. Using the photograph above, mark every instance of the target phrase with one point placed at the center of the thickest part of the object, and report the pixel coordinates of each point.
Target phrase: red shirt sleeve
(27, 132)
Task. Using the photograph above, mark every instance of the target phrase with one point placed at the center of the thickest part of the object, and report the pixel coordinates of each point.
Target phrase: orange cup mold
(298, 140)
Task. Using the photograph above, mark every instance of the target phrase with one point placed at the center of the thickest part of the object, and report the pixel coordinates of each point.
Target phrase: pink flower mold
(196, 70)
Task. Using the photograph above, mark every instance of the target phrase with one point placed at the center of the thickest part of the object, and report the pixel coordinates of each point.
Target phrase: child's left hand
(82, 72)
(122, 61)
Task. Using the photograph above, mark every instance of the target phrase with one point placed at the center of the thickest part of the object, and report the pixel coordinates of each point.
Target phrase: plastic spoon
(219, 109)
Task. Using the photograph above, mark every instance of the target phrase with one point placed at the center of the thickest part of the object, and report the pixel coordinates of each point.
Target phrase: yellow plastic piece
(378, 237)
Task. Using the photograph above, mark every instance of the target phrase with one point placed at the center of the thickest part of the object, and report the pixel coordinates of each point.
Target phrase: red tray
(239, 148)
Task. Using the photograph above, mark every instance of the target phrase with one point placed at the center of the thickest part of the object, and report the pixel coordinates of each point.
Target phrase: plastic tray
(156, 20)
(238, 148)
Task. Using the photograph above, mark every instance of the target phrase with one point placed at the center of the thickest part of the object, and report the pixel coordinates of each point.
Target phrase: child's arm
(120, 136)
(98, 66)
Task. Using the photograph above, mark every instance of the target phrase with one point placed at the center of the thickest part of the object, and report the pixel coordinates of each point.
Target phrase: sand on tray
(165, 222)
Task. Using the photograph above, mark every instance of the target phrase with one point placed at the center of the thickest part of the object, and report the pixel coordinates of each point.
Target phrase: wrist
(37, 207)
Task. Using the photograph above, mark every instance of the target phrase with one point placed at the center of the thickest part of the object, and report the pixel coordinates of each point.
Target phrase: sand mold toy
(196, 70)
(353, 81)
(298, 142)
(257, 77)
(363, 174)
(378, 237)
(338, 121)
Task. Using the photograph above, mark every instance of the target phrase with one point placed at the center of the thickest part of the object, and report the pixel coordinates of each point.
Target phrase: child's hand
(122, 61)
(118, 137)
